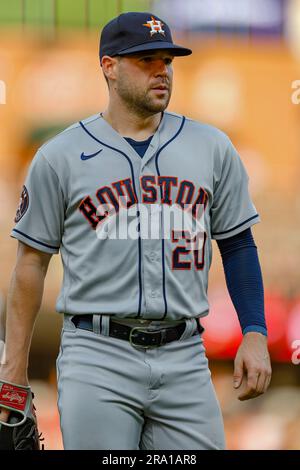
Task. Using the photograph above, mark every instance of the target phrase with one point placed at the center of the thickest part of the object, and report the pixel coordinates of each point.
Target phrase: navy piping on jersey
(36, 241)
(237, 226)
(138, 212)
(161, 195)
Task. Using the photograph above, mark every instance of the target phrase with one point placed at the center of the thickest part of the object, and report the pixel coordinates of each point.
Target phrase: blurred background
(243, 77)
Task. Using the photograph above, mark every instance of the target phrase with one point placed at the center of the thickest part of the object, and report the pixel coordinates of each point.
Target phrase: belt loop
(97, 324)
(190, 326)
(105, 324)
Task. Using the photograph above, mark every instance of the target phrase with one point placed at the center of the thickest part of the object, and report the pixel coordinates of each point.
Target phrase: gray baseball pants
(112, 395)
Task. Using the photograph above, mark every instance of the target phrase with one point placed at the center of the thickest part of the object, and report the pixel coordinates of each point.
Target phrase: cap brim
(156, 45)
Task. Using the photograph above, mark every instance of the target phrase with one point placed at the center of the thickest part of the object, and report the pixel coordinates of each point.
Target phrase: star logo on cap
(155, 26)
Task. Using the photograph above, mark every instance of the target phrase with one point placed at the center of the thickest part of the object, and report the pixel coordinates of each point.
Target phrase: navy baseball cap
(134, 32)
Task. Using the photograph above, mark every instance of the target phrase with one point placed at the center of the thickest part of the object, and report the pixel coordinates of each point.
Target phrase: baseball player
(132, 370)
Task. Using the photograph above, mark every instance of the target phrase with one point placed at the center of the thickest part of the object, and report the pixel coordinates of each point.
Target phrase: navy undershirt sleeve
(244, 280)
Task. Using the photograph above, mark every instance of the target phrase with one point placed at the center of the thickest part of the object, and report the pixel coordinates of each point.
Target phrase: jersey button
(152, 256)
(153, 293)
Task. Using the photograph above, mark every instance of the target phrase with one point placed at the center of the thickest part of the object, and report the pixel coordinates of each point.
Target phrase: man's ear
(109, 67)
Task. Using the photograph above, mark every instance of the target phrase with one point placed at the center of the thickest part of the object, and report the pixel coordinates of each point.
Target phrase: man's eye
(149, 59)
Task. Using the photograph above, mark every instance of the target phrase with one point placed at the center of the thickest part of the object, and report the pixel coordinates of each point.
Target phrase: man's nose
(162, 69)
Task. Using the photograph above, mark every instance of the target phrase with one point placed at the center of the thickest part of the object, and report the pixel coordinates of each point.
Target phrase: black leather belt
(139, 335)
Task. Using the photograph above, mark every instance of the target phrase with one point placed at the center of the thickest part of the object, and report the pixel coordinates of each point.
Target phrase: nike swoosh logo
(87, 157)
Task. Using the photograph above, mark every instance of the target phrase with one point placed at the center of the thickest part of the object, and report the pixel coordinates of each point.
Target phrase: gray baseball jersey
(89, 165)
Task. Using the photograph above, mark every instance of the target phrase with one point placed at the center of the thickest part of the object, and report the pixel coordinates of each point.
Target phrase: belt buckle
(142, 329)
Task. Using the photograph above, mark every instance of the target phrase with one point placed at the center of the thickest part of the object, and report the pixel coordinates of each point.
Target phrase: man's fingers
(268, 380)
(257, 384)
(4, 415)
(264, 379)
(251, 387)
(261, 382)
(248, 393)
(238, 374)
(252, 379)
(254, 358)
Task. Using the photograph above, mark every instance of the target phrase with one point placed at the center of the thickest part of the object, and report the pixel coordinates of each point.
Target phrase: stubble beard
(140, 101)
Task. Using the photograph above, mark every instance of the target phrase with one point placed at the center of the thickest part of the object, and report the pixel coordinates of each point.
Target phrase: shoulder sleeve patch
(23, 204)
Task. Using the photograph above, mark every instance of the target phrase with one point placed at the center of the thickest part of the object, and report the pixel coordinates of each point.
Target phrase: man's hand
(252, 366)
(4, 415)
